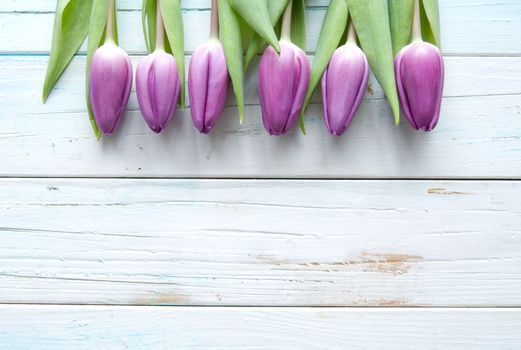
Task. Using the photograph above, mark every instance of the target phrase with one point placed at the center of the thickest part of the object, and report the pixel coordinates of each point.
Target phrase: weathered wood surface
(114, 328)
(194, 242)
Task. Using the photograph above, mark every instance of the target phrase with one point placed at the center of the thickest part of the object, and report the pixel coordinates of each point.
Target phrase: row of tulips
(283, 79)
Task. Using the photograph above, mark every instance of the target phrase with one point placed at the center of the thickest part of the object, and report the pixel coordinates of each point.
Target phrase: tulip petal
(198, 73)
(217, 88)
(158, 89)
(110, 85)
(344, 85)
(404, 101)
(97, 22)
(276, 80)
(283, 81)
(420, 77)
(302, 72)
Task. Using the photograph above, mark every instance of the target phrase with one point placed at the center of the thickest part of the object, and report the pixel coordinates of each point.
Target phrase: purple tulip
(157, 88)
(419, 76)
(110, 85)
(283, 80)
(343, 87)
(207, 85)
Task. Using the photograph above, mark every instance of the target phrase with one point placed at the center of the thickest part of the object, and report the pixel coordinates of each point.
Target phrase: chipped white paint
(262, 242)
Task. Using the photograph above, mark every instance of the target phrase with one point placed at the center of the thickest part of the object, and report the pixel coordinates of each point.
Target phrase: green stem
(160, 28)
(416, 23)
(286, 22)
(351, 34)
(109, 29)
(214, 28)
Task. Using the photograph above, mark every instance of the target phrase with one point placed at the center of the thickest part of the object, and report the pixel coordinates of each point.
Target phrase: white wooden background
(383, 239)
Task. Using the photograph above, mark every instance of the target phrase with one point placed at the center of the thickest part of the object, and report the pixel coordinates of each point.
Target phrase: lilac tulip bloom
(158, 88)
(207, 85)
(283, 80)
(110, 85)
(419, 76)
(343, 87)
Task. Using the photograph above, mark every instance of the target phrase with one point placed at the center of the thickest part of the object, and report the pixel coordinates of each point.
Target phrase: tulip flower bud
(158, 88)
(283, 81)
(419, 76)
(110, 85)
(344, 84)
(419, 71)
(158, 85)
(207, 85)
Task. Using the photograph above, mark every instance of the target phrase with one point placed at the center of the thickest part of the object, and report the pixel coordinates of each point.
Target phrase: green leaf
(174, 31)
(401, 14)
(298, 24)
(371, 20)
(430, 17)
(230, 36)
(256, 14)
(276, 9)
(148, 19)
(331, 33)
(400, 17)
(246, 32)
(98, 21)
(71, 25)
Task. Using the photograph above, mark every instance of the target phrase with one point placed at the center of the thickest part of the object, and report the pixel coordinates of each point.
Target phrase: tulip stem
(214, 27)
(351, 33)
(109, 29)
(286, 22)
(160, 28)
(416, 23)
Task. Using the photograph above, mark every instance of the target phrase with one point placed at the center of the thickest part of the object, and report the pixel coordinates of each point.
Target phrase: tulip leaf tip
(302, 124)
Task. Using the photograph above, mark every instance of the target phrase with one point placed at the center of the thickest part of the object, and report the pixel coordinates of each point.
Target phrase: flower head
(110, 86)
(283, 80)
(207, 85)
(419, 72)
(343, 87)
(157, 88)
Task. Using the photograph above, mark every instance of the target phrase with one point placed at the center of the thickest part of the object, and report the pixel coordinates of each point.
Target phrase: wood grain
(247, 242)
(114, 328)
(469, 26)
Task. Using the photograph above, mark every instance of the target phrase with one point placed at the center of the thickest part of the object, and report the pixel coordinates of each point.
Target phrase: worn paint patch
(445, 192)
(390, 263)
(164, 299)
(393, 303)
(395, 264)
(370, 89)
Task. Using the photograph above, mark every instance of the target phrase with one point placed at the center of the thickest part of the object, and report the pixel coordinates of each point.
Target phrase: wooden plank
(479, 135)
(251, 242)
(57, 327)
(462, 25)
(123, 5)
